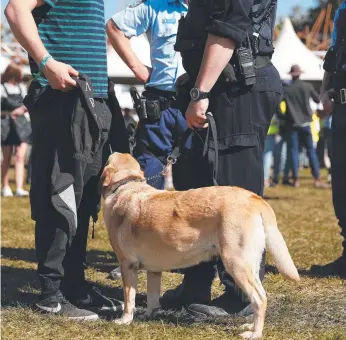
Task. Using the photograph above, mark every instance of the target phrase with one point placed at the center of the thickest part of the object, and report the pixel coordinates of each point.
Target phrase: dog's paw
(124, 320)
(248, 326)
(251, 335)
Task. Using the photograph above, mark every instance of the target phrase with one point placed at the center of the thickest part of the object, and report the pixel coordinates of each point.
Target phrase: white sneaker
(21, 192)
(6, 192)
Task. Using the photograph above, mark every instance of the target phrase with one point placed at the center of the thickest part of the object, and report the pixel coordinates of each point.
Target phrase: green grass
(312, 309)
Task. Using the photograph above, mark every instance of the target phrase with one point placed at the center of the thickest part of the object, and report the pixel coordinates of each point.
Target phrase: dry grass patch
(311, 310)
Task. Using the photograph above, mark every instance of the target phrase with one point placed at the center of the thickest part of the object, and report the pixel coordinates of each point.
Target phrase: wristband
(42, 65)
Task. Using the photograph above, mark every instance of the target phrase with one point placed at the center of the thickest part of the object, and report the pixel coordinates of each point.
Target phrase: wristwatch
(196, 94)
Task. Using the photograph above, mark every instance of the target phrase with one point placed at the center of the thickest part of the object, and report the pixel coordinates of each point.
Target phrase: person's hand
(326, 99)
(196, 114)
(60, 75)
(19, 111)
(143, 73)
(183, 79)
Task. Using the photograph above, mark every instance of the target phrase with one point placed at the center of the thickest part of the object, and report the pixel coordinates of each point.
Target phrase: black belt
(340, 96)
(165, 99)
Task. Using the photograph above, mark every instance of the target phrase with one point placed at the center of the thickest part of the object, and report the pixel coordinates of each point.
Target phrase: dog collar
(123, 182)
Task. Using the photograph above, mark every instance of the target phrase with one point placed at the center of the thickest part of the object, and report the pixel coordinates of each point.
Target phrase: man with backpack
(226, 47)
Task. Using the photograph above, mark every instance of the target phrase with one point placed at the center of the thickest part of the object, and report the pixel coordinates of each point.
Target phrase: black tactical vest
(192, 34)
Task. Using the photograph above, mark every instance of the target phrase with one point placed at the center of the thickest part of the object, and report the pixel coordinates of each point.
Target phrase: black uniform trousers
(64, 191)
(338, 160)
(242, 118)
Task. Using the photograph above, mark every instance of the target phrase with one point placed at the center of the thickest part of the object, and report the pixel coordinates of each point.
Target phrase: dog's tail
(277, 245)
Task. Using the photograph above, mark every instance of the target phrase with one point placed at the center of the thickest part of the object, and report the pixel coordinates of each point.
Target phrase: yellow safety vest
(274, 124)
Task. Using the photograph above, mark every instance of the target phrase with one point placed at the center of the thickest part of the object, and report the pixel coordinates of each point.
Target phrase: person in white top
(12, 95)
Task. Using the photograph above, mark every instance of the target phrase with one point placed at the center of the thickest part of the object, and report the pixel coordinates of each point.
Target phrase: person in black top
(298, 119)
(226, 47)
(15, 129)
(333, 97)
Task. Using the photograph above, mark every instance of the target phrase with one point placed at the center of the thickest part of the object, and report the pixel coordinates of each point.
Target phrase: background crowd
(299, 135)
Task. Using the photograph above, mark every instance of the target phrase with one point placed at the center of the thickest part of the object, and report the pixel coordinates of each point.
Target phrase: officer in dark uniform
(333, 96)
(226, 48)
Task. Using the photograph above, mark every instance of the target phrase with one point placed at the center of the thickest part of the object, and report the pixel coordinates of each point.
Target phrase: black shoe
(184, 295)
(92, 297)
(336, 268)
(58, 305)
(115, 274)
(287, 182)
(224, 306)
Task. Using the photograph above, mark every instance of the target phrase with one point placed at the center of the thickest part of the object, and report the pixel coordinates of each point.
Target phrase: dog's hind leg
(153, 292)
(129, 272)
(245, 279)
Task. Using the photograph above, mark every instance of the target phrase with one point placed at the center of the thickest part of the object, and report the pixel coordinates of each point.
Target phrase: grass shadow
(23, 254)
(18, 286)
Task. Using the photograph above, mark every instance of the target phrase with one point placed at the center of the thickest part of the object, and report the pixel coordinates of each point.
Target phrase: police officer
(226, 48)
(161, 122)
(333, 96)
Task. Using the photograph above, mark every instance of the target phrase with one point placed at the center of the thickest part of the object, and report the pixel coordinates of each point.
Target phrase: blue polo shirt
(337, 14)
(73, 32)
(159, 20)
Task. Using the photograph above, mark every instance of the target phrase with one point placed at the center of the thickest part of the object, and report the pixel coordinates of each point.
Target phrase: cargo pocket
(232, 116)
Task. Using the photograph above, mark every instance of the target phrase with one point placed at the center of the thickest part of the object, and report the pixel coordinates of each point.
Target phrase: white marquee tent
(290, 50)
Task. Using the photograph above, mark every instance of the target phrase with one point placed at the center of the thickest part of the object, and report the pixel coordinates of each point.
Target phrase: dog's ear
(106, 177)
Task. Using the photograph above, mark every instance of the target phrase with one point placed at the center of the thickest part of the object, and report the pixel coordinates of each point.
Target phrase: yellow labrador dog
(159, 230)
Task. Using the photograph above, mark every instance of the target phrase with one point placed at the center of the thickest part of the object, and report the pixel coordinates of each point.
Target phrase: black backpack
(263, 15)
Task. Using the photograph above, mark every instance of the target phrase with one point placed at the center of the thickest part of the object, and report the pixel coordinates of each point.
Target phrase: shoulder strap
(5, 89)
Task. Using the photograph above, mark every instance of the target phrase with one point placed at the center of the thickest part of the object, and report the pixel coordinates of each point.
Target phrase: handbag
(22, 128)
(5, 127)
(21, 124)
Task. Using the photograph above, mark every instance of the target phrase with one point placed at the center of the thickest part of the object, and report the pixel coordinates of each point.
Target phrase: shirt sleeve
(51, 3)
(234, 23)
(314, 95)
(3, 92)
(134, 20)
(334, 33)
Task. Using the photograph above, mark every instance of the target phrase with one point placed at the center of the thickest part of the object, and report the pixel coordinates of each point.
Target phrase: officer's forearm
(217, 54)
(122, 46)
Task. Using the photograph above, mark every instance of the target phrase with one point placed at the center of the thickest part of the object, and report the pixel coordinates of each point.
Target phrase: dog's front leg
(129, 272)
(153, 292)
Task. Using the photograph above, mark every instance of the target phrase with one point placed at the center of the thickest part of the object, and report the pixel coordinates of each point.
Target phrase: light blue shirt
(335, 33)
(159, 19)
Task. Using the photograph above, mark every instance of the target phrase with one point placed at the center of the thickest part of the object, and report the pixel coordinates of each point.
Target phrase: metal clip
(343, 96)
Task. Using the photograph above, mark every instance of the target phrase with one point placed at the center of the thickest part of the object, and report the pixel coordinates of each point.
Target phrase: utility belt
(238, 73)
(152, 102)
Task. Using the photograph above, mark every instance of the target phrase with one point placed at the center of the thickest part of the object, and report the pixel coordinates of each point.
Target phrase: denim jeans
(268, 155)
(282, 162)
(303, 135)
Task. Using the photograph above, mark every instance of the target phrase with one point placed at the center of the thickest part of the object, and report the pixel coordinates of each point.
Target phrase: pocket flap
(246, 140)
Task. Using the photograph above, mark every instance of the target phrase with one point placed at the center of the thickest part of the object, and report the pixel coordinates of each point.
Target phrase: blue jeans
(269, 146)
(282, 163)
(303, 135)
(159, 138)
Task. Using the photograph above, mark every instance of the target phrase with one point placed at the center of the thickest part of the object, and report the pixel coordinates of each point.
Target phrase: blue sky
(284, 6)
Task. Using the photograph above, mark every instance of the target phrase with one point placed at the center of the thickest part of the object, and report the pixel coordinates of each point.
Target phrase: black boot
(226, 305)
(196, 287)
(186, 294)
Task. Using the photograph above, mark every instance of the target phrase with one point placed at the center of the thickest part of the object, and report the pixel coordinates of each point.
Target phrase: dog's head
(119, 166)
